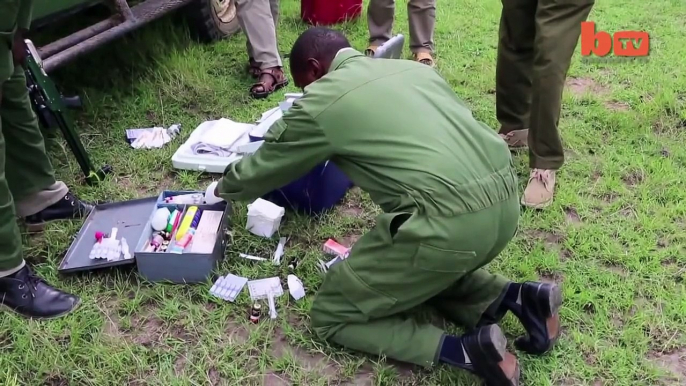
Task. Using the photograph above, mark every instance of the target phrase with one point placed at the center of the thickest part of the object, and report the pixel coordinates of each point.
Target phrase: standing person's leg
(422, 18)
(253, 65)
(38, 197)
(257, 22)
(380, 16)
(20, 290)
(559, 26)
(514, 70)
(389, 272)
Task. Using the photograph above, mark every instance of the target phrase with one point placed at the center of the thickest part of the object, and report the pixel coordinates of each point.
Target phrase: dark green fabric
(537, 41)
(25, 168)
(396, 267)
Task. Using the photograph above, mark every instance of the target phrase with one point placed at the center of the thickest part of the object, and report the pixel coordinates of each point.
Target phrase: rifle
(50, 108)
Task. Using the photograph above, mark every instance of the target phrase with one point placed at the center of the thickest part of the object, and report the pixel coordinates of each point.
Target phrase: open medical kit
(179, 237)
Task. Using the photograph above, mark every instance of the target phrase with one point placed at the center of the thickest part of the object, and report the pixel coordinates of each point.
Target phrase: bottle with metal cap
(255, 313)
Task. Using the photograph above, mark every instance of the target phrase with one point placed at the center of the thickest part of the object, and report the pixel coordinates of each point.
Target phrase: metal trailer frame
(126, 19)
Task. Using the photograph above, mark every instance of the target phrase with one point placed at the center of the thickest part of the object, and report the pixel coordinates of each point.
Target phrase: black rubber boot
(539, 314)
(488, 356)
(69, 208)
(30, 296)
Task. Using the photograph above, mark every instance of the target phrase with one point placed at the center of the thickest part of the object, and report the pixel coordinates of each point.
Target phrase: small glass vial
(255, 313)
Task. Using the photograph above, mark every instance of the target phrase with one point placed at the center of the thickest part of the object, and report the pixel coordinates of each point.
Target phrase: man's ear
(315, 68)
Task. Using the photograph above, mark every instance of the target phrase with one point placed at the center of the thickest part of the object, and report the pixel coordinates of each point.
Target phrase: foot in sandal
(371, 50)
(268, 81)
(424, 58)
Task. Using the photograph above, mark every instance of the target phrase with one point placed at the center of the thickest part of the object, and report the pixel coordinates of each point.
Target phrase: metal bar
(124, 10)
(143, 13)
(77, 37)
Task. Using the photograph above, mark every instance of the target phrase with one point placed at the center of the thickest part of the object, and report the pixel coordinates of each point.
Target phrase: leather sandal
(488, 357)
(253, 68)
(371, 50)
(269, 80)
(516, 139)
(424, 58)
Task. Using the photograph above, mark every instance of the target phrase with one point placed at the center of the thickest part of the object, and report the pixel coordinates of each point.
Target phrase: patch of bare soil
(616, 269)
(547, 276)
(273, 379)
(56, 380)
(673, 362)
(572, 216)
(633, 178)
(551, 240)
(312, 362)
(349, 240)
(580, 86)
(617, 106)
(180, 365)
(352, 206)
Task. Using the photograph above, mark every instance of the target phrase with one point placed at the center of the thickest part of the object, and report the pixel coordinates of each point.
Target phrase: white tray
(186, 160)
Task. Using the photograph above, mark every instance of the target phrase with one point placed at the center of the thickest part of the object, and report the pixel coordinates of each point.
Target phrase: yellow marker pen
(186, 222)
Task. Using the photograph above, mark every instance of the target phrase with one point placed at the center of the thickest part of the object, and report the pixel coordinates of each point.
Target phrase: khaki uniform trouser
(258, 20)
(421, 15)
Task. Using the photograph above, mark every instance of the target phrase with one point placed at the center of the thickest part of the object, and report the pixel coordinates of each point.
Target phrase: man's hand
(19, 49)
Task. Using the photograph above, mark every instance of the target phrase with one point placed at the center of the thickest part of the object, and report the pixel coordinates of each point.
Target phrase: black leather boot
(30, 296)
(537, 306)
(539, 314)
(68, 208)
(488, 357)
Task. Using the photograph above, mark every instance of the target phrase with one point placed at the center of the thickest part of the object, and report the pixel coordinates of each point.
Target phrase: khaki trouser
(537, 41)
(422, 18)
(258, 20)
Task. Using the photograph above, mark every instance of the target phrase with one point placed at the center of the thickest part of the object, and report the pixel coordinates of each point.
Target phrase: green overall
(537, 41)
(444, 181)
(27, 180)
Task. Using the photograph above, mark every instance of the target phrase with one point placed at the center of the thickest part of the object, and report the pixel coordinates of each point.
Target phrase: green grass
(614, 237)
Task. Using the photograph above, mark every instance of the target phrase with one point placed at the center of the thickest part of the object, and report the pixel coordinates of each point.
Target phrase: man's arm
(293, 146)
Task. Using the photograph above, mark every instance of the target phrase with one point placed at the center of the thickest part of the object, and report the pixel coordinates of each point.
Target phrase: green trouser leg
(537, 41)
(407, 260)
(29, 170)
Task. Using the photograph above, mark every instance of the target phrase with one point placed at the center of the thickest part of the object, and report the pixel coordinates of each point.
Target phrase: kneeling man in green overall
(448, 191)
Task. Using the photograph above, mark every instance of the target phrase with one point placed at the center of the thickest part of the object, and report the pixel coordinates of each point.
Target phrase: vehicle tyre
(212, 20)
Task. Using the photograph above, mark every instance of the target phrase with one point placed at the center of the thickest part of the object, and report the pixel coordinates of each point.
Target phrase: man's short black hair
(318, 43)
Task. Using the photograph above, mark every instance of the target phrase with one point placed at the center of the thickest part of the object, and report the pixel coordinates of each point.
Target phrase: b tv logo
(621, 43)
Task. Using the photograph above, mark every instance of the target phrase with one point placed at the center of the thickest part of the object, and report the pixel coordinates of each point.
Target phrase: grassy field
(614, 237)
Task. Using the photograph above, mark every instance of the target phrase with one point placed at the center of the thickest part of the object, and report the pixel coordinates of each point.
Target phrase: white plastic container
(185, 158)
(264, 218)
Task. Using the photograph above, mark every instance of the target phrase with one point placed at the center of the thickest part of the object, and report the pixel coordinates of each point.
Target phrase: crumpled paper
(153, 139)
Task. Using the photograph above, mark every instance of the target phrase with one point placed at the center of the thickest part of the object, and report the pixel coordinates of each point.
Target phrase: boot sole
(76, 305)
(493, 344)
(554, 295)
